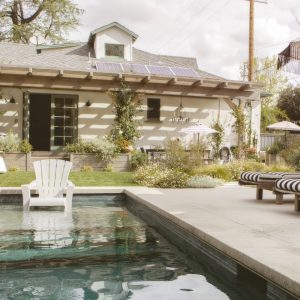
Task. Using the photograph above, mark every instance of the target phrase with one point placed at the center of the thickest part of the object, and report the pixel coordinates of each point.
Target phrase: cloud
(215, 32)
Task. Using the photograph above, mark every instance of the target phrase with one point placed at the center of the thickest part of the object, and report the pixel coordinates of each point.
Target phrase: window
(153, 111)
(114, 50)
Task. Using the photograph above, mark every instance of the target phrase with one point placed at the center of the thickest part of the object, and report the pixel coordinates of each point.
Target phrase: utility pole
(251, 38)
(251, 42)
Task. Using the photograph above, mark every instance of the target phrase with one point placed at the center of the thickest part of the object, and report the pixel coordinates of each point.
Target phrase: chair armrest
(70, 183)
(69, 196)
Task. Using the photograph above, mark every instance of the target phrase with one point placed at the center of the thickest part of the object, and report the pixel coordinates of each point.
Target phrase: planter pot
(119, 164)
(273, 159)
(16, 160)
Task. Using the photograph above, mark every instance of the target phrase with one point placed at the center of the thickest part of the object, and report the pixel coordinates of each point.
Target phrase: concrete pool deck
(260, 235)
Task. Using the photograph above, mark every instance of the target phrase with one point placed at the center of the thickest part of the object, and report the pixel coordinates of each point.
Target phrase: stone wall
(119, 164)
(19, 161)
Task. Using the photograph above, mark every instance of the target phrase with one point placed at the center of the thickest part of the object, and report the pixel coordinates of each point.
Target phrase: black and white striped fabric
(254, 177)
(250, 176)
(289, 185)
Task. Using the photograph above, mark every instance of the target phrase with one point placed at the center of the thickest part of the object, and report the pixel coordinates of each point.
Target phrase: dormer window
(114, 50)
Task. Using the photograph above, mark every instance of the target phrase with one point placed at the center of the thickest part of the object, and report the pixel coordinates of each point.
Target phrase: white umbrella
(284, 126)
(199, 128)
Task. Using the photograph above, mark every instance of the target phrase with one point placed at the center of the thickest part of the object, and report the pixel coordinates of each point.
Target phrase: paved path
(259, 234)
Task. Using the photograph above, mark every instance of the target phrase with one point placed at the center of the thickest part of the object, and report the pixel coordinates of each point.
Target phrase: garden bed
(17, 160)
(84, 160)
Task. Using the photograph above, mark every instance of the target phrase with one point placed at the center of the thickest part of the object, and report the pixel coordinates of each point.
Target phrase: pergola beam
(222, 85)
(172, 81)
(245, 87)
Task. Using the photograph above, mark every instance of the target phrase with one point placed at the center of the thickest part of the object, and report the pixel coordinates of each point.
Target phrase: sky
(213, 31)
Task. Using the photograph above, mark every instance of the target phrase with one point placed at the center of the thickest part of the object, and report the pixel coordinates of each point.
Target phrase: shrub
(108, 168)
(13, 169)
(86, 169)
(232, 170)
(102, 148)
(25, 147)
(276, 147)
(138, 159)
(11, 143)
(204, 182)
(156, 175)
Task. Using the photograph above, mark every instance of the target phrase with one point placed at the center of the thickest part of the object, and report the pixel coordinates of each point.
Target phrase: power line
(183, 28)
(199, 25)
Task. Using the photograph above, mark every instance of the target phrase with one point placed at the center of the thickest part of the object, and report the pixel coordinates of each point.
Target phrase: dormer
(113, 42)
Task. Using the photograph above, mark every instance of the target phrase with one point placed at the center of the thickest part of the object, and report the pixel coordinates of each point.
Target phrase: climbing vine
(127, 104)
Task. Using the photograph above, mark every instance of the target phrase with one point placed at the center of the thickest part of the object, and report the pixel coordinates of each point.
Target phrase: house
(58, 93)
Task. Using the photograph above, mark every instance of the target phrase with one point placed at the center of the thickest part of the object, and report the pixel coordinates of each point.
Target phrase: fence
(267, 140)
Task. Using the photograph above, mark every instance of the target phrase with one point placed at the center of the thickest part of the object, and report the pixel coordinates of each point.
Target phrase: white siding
(113, 35)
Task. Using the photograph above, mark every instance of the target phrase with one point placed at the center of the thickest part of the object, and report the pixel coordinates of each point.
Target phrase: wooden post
(251, 42)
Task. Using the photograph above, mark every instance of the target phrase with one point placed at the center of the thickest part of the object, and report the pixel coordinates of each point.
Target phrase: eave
(96, 81)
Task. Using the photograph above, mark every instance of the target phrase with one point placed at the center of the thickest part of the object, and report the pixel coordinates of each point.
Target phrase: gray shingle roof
(76, 57)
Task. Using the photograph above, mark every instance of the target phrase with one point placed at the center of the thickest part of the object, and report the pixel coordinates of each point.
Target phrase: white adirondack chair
(51, 183)
(2, 166)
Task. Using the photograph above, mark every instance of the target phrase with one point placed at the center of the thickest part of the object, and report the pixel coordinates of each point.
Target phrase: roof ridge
(166, 55)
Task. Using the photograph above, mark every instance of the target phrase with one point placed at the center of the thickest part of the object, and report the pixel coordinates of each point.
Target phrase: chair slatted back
(51, 176)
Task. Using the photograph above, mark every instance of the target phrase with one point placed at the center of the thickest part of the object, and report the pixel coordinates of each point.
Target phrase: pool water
(100, 251)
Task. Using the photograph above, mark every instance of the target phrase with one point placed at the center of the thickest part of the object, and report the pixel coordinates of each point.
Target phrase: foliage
(216, 139)
(108, 168)
(291, 152)
(138, 159)
(47, 20)
(126, 107)
(204, 182)
(273, 81)
(11, 143)
(276, 147)
(25, 146)
(240, 127)
(87, 169)
(289, 102)
(177, 158)
(232, 170)
(102, 148)
(156, 175)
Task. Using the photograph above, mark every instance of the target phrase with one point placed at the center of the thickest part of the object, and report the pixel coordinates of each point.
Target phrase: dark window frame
(153, 109)
(114, 45)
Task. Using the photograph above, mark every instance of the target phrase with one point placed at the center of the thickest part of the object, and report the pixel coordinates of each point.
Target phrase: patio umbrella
(284, 126)
(199, 128)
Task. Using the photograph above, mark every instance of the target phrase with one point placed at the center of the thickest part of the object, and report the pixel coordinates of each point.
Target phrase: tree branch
(35, 15)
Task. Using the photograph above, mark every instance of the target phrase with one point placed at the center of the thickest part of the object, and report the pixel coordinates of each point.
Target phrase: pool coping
(139, 194)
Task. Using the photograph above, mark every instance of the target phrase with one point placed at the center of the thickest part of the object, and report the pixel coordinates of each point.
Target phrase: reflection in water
(100, 251)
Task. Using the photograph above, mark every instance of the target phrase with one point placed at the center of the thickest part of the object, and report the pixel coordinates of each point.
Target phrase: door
(64, 120)
(40, 121)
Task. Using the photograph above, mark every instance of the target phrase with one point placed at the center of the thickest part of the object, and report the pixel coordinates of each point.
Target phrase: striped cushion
(272, 175)
(290, 185)
(250, 176)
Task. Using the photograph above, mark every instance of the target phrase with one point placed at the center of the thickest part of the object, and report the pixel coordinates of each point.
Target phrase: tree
(289, 102)
(273, 81)
(45, 20)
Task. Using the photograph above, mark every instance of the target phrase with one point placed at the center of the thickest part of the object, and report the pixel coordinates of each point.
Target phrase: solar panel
(106, 67)
(184, 72)
(160, 70)
(118, 68)
(135, 68)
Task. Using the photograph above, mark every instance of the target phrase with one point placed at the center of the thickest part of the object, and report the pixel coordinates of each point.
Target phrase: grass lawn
(11, 179)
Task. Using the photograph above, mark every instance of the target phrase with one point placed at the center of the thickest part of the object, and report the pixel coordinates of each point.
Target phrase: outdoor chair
(266, 181)
(51, 184)
(288, 186)
(2, 166)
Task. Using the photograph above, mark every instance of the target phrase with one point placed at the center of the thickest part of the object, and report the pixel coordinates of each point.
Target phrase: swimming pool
(100, 251)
